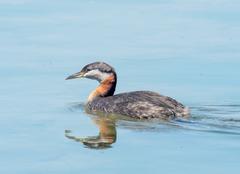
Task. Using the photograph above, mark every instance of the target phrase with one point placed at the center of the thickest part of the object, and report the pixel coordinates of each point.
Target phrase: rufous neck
(106, 88)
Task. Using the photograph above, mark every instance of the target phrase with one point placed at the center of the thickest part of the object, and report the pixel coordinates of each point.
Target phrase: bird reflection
(107, 134)
(107, 124)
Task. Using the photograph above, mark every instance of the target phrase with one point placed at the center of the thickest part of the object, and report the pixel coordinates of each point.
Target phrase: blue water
(188, 50)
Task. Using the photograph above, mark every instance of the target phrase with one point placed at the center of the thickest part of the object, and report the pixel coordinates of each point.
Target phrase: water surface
(187, 50)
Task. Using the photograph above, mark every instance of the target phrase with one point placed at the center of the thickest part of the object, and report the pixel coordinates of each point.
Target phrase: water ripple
(223, 119)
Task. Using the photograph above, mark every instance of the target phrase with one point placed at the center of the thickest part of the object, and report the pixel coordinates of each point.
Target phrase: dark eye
(86, 69)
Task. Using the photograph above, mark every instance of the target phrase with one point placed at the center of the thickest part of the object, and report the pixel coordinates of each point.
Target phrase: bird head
(98, 71)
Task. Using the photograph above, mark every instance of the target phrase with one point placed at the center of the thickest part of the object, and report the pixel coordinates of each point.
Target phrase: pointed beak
(76, 75)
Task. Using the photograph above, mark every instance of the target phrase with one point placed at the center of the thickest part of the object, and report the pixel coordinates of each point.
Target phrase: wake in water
(223, 119)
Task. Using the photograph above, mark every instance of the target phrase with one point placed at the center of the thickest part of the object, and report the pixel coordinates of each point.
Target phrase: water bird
(136, 104)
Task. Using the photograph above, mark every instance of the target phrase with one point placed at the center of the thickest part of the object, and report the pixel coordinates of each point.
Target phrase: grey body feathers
(139, 104)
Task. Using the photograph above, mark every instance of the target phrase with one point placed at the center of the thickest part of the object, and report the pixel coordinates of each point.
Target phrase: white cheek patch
(96, 74)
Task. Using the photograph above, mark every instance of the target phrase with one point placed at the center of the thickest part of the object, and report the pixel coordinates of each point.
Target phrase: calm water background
(185, 49)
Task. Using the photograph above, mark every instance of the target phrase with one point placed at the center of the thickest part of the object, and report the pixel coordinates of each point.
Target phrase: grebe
(137, 104)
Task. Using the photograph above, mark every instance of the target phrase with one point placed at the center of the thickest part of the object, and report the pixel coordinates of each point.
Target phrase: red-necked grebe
(137, 104)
